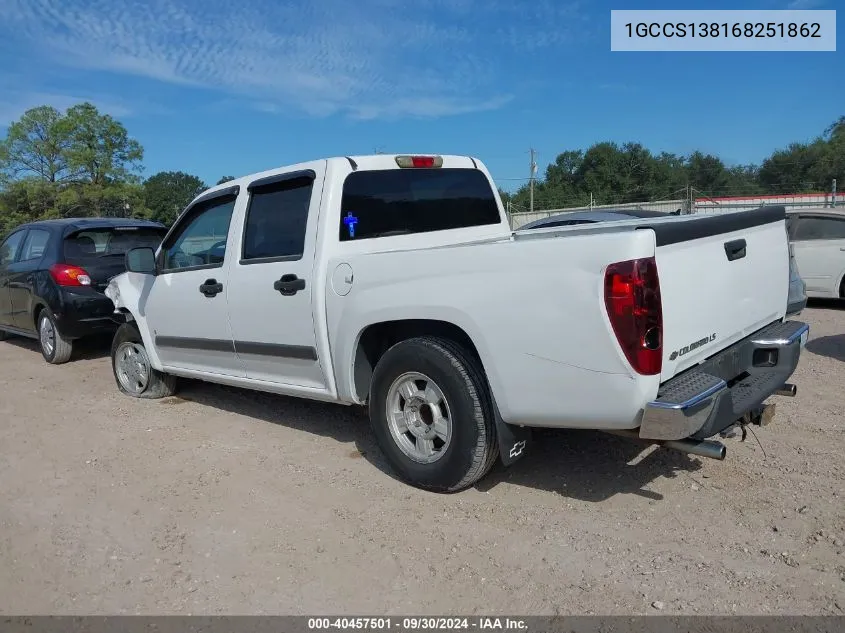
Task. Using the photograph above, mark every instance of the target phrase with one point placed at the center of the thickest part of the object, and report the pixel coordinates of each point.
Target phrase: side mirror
(141, 260)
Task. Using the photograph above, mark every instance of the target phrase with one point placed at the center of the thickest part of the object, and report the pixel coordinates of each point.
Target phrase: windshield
(109, 242)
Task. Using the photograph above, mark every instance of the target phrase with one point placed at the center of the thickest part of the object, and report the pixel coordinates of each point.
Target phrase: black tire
(157, 384)
(59, 350)
(472, 448)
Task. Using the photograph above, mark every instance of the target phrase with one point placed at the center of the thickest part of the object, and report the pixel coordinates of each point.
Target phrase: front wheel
(431, 412)
(133, 372)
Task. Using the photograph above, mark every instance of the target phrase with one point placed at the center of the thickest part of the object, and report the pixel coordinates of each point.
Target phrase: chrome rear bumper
(710, 397)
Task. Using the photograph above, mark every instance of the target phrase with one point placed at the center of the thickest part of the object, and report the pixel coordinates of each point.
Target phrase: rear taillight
(632, 300)
(68, 275)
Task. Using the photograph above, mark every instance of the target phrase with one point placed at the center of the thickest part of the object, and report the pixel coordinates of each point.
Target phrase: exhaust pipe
(788, 390)
(702, 448)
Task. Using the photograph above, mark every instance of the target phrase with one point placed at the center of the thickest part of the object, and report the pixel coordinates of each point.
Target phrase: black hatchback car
(53, 274)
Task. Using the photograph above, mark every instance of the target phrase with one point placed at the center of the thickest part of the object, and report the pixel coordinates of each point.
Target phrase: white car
(395, 282)
(818, 243)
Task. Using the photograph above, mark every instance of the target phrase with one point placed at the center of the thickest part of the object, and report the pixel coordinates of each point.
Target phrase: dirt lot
(225, 501)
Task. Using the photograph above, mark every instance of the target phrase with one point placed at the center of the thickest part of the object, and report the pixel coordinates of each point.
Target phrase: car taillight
(632, 300)
(68, 275)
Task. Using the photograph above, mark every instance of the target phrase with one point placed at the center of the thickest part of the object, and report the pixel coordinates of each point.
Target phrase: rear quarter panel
(534, 309)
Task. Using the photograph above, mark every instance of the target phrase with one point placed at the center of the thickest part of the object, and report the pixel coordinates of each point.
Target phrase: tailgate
(721, 278)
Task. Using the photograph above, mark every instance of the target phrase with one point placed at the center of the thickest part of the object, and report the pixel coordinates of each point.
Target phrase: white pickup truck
(396, 283)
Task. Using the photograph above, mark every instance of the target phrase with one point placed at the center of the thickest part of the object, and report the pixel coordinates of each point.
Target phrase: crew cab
(395, 282)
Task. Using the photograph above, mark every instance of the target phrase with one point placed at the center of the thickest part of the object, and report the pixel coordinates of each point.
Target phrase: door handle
(289, 285)
(211, 288)
(842, 248)
(735, 249)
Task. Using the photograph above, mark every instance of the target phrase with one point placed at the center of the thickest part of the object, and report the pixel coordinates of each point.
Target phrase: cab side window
(9, 248)
(201, 240)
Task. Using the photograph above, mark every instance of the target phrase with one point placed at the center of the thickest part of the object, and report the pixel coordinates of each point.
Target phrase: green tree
(25, 201)
(707, 173)
(168, 192)
(36, 146)
(225, 179)
(796, 168)
(613, 173)
(80, 163)
(100, 149)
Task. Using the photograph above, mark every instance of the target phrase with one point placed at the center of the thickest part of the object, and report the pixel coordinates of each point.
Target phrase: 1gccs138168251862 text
(723, 30)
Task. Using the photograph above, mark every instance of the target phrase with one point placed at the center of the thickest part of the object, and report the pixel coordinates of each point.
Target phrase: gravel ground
(226, 501)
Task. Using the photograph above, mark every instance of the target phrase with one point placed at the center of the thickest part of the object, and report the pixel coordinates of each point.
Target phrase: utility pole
(833, 195)
(533, 168)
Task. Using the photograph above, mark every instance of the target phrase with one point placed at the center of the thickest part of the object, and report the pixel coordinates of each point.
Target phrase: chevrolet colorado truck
(395, 282)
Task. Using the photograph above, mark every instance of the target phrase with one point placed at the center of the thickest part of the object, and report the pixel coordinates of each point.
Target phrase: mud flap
(514, 441)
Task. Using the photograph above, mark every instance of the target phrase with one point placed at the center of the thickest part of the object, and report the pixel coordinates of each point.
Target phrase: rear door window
(405, 201)
(34, 245)
(276, 220)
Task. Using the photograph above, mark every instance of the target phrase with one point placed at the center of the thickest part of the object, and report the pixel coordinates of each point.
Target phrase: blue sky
(215, 87)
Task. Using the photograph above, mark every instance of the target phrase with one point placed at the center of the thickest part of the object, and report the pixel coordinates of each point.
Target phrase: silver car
(797, 300)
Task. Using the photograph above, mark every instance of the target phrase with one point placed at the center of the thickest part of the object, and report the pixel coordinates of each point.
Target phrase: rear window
(109, 242)
(406, 201)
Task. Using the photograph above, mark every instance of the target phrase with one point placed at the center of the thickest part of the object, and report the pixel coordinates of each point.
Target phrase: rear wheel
(431, 412)
(133, 372)
(55, 348)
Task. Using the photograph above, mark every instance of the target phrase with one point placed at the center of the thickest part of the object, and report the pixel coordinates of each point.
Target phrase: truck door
(271, 282)
(186, 308)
